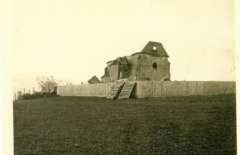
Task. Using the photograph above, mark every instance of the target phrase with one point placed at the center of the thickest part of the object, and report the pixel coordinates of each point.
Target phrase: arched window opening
(154, 65)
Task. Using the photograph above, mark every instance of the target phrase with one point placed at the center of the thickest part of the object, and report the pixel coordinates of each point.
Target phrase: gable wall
(142, 69)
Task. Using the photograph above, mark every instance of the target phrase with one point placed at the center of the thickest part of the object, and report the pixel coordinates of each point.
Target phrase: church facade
(150, 64)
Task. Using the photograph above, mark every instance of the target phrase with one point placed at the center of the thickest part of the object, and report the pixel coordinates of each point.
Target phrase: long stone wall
(153, 89)
(99, 90)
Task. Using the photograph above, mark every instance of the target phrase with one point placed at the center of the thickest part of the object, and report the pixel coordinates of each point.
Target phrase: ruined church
(140, 75)
(149, 64)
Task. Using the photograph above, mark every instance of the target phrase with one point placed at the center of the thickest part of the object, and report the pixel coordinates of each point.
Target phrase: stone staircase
(122, 90)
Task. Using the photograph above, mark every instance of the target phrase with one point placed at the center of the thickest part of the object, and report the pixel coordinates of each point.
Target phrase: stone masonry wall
(153, 89)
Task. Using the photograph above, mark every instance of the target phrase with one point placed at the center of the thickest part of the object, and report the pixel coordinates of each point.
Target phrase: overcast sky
(73, 39)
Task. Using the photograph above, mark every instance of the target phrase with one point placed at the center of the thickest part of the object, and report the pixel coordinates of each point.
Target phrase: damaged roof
(154, 49)
(119, 60)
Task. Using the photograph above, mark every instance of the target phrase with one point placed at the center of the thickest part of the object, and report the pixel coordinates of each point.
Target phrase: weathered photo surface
(124, 77)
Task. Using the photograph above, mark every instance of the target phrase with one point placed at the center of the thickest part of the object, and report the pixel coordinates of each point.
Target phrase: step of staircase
(115, 90)
(127, 90)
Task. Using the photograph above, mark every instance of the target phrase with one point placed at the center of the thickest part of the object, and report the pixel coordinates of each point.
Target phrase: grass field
(165, 126)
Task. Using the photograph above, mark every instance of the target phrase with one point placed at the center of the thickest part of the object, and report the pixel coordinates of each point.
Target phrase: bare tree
(47, 84)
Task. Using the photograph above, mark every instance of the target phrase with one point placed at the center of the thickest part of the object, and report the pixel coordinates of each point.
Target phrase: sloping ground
(77, 125)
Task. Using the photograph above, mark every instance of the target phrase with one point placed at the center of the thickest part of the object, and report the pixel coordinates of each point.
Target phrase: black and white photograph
(139, 77)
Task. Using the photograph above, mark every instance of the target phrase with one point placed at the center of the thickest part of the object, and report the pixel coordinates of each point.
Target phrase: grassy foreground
(165, 126)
